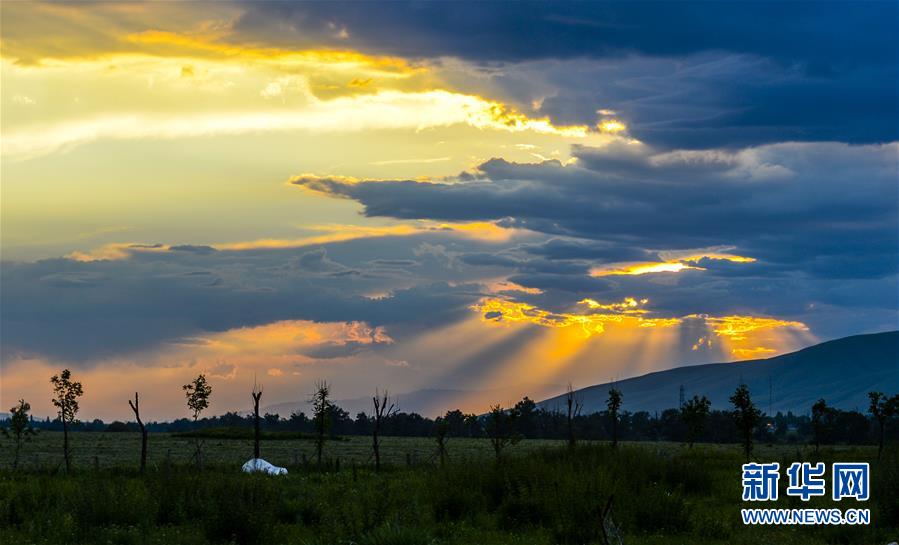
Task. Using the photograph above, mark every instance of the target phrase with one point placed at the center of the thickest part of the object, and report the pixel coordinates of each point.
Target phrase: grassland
(121, 450)
(542, 493)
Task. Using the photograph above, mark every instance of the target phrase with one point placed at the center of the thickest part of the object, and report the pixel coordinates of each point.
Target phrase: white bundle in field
(258, 465)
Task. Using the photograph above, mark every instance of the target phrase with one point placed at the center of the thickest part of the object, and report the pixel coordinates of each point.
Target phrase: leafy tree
(500, 428)
(694, 413)
(527, 416)
(614, 405)
(198, 393)
(882, 408)
(455, 421)
(321, 416)
(382, 408)
(298, 421)
(19, 427)
(820, 412)
(746, 416)
(272, 420)
(135, 406)
(473, 426)
(65, 398)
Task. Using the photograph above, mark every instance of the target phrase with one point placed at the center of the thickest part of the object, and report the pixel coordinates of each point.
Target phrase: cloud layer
(499, 194)
(778, 228)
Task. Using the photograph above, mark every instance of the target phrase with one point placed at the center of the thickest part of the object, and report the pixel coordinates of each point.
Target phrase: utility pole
(681, 395)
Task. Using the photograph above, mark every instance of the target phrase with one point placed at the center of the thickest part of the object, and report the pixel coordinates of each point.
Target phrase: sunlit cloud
(166, 43)
(612, 126)
(747, 337)
(382, 110)
(628, 305)
(750, 353)
(674, 265)
(737, 328)
(503, 285)
(277, 354)
(330, 234)
(743, 336)
(482, 231)
(505, 311)
(115, 251)
(641, 268)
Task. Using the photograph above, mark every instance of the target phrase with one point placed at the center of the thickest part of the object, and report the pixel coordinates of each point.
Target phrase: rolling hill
(841, 371)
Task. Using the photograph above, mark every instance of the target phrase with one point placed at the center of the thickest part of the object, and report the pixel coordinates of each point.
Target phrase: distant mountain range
(841, 371)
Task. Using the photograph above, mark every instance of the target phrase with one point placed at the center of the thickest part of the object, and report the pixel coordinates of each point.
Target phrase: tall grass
(547, 496)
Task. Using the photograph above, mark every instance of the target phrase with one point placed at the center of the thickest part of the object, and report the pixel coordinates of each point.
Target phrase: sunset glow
(744, 336)
(295, 192)
(675, 265)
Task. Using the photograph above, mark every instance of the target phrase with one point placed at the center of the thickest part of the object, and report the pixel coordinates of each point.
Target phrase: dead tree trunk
(574, 409)
(135, 406)
(257, 395)
(441, 431)
(610, 533)
(382, 407)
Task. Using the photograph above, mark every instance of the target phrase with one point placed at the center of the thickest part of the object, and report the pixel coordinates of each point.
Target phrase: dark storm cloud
(714, 99)
(820, 219)
(565, 288)
(814, 205)
(687, 75)
(598, 251)
(84, 311)
(820, 34)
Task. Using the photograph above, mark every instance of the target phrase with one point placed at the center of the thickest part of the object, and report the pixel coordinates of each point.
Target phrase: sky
(500, 198)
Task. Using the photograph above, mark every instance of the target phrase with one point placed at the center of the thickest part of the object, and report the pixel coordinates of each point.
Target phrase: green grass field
(542, 493)
(122, 450)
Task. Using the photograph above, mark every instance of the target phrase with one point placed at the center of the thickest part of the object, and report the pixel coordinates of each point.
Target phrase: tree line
(693, 422)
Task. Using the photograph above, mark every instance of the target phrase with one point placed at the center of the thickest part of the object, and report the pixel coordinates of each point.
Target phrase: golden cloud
(744, 335)
(385, 109)
(498, 310)
(484, 231)
(736, 327)
(684, 262)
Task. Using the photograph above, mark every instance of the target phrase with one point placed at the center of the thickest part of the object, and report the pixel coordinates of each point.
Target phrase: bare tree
(574, 409)
(19, 428)
(441, 431)
(198, 393)
(135, 406)
(383, 408)
(321, 416)
(66, 393)
(614, 405)
(257, 395)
